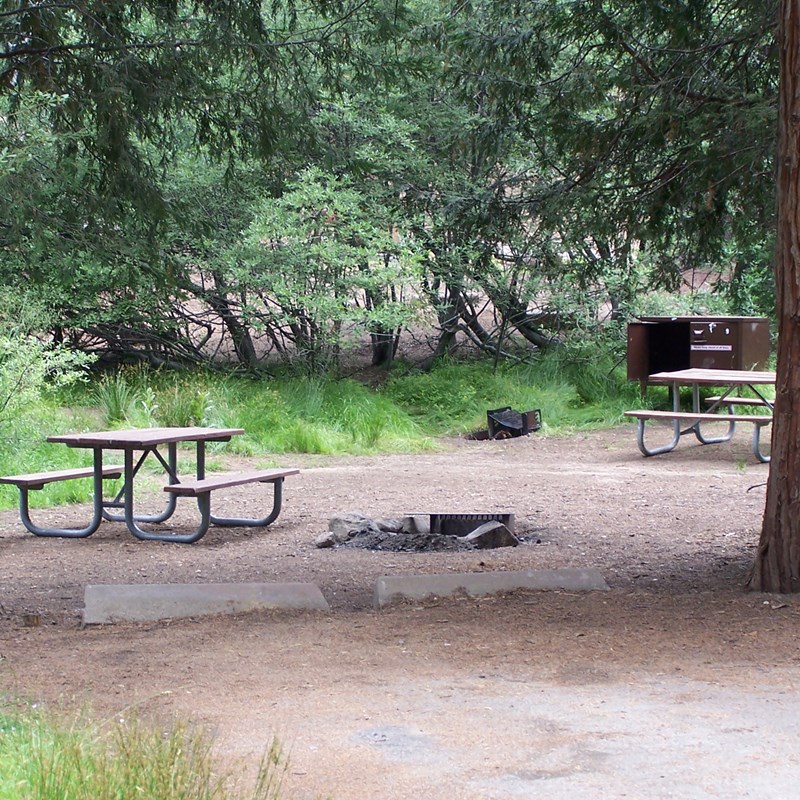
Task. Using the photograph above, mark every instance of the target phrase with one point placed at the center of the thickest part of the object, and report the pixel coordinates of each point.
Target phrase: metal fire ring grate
(460, 524)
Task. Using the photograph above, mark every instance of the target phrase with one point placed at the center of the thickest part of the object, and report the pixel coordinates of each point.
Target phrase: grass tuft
(44, 758)
(116, 396)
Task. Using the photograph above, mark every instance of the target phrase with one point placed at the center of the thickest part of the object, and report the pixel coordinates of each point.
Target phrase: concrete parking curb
(105, 603)
(391, 589)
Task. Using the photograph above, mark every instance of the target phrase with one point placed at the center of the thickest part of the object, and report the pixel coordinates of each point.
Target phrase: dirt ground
(675, 683)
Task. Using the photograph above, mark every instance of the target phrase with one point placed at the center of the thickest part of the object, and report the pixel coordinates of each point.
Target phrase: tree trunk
(218, 300)
(384, 343)
(384, 340)
(777, 565)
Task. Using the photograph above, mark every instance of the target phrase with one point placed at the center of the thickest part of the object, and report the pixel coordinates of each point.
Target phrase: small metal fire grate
(455, 524)
(504, 422)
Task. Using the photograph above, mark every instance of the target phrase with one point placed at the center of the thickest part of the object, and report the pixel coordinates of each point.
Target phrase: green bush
(30, 366)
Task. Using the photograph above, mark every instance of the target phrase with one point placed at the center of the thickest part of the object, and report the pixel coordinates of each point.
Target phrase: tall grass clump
(324, 416)
(454, 398)
(43, 758)
(116, 395)
(149, 398)
(366, 418)
(180, 408)
(195, 398)
(444, 400)
(586, 383)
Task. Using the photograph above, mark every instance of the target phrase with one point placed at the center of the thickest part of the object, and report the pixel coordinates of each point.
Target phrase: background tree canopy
(186, 181)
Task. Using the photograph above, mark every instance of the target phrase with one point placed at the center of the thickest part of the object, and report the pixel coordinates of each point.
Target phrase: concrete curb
(389, 589)
(105, 603)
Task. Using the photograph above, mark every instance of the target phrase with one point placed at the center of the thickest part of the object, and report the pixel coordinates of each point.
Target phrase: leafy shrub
(30, 364)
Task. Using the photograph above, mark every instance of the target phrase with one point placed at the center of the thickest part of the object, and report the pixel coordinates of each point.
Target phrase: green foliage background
(262, 183)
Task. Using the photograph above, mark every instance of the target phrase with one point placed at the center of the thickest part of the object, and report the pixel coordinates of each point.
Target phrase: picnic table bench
(737, 400)
(202, 488)
(695, 418)
(38, 480)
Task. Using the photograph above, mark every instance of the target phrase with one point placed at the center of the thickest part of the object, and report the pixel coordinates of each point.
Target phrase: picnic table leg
(170, 467)
(763, 458)
(131, 520)
(69, 533)
(233, 522)
(654, 451)
(725, 437)
(676, 428)
(701, 437)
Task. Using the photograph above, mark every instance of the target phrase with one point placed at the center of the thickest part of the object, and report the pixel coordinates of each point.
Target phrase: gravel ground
(675, 683)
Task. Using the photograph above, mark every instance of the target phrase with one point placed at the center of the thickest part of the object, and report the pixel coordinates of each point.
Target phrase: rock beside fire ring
(489, 535)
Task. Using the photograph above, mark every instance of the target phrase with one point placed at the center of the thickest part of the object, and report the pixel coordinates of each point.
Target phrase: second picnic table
(721, 408)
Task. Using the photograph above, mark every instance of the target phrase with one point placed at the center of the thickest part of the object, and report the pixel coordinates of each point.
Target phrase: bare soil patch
(387, 703)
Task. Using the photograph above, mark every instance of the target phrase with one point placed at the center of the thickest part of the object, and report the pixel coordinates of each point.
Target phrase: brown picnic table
(137, 446)
(721, 408)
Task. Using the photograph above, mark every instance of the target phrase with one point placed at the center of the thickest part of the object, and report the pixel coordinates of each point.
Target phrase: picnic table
(137, 446)
(722, 408)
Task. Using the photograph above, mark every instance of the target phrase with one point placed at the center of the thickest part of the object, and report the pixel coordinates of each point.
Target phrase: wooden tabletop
(713, 377)
(140, 438)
